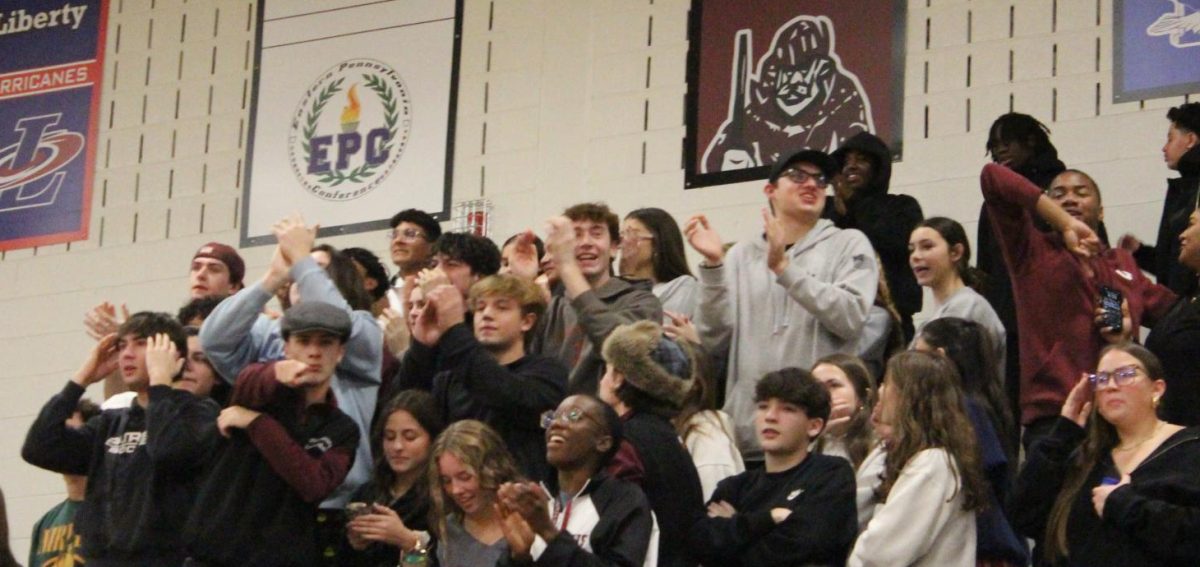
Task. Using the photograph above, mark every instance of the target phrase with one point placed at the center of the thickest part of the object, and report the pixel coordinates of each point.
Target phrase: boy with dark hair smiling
(259, 503)
(799, 509)
(142, 461)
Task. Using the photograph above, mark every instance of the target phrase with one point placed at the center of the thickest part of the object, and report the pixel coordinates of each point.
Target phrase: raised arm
(714, 313)
(235, 333)
(50, 444)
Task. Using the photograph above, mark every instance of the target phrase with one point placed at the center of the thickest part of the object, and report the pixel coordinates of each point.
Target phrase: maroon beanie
(226, 255)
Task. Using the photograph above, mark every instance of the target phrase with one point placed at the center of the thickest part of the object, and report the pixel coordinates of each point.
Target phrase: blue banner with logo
(50, 77)
(1156, 49)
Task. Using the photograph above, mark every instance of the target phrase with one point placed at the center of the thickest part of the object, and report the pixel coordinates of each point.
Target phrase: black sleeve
(181, 428)
(51, 445)
(1170, 529)
(717, 541)
(1147, 258)
(1047, 465)
(820, 530)
(417, 368)
(889, 222)
(987, 251)
(522, 395)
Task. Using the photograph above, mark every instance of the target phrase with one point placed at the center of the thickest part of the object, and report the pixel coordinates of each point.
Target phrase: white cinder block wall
(559, 101)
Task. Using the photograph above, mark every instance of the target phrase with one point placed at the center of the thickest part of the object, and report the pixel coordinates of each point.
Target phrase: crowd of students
(542, 403)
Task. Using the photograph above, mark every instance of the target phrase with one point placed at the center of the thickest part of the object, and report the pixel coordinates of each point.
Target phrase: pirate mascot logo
(800, 97)
(339, 156)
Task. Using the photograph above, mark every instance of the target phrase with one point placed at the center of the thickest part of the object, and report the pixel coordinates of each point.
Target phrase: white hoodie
(817, 306)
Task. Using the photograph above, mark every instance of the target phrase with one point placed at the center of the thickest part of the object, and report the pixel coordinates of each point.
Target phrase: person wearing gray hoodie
(800, 292)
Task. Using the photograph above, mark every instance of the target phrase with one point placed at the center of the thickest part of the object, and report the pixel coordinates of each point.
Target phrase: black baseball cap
(822, 160)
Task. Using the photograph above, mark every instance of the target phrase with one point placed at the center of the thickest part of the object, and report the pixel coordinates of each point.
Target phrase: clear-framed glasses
(800, 177)
(1122, 376)
(406, 235)
(631, 238)
(572, 415)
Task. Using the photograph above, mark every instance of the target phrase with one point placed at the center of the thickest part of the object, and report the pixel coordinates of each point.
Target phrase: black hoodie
(887, 220)
(143, 467)
(1162, 260)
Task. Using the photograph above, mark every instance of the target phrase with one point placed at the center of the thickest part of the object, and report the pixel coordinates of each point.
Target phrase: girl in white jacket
(932, 481)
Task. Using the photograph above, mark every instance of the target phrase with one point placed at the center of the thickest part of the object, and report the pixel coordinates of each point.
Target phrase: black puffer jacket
(887, 220)
(1162, 259)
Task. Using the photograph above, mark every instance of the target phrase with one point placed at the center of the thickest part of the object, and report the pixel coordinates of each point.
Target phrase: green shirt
(55, 543)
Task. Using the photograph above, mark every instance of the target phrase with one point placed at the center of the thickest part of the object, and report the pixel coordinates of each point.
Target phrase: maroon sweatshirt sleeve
(256, 386)
(1011, 201)
(314, 478)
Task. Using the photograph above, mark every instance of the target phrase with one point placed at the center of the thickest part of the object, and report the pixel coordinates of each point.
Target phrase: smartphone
(1110, 301)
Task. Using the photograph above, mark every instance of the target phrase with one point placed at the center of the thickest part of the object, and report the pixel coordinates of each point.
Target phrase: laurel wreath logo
(363, 172)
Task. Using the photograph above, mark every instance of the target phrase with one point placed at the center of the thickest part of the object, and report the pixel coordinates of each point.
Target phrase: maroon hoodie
(1055, 299)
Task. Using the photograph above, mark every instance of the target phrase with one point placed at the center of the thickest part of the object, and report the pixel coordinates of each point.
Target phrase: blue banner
(50, 79)
(1156, 49)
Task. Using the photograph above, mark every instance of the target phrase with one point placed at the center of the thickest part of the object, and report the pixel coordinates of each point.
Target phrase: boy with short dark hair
(142, 461)
(797, 510)
(294, 448)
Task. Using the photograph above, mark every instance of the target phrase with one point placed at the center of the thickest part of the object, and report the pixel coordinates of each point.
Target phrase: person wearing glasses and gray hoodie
(796, 293)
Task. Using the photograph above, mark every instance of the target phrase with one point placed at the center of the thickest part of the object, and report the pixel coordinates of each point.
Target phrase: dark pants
(331, 530)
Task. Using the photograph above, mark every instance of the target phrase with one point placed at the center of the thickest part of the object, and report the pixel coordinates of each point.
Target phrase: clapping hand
(295, 239)
(103, 320)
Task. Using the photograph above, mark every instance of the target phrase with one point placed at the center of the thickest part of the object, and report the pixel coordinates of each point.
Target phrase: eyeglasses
(800, 177)
(631, 238)
(1122, 376)
(406, 235)
(573, 415)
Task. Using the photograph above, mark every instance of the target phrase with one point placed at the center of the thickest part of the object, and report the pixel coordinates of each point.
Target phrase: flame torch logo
(339, 157)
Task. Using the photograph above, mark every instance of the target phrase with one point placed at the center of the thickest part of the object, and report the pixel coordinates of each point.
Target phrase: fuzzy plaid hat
(650, 361)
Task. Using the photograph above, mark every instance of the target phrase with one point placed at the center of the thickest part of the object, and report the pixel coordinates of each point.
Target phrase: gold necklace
(1135, 446)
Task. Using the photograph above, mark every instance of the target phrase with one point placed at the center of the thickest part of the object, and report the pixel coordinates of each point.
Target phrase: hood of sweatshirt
(881, 162)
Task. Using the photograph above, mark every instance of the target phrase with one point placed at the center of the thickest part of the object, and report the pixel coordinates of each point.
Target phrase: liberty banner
(353, 113)
(50, 78)
(770, 77)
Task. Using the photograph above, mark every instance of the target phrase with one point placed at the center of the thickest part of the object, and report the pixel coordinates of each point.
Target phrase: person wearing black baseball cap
(797, 292)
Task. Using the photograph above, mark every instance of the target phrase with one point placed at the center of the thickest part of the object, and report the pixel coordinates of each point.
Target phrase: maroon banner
(770, 77)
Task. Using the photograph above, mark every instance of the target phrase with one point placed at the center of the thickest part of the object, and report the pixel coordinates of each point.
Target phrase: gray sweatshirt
(573, 331)
(817, 306)
(237, 334)
(967, 304)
